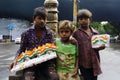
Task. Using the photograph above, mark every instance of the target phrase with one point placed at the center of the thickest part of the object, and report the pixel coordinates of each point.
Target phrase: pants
(39, 72)
(87, 74)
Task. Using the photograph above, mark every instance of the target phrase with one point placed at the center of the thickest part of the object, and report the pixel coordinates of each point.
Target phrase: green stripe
(21, 59)
(96, 42)
(103, 41)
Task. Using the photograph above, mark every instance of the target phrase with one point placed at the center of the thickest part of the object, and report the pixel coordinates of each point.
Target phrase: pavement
(110, 61)
(110, 64)
(7, 53)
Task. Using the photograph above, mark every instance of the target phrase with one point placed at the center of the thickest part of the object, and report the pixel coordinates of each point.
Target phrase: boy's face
(39, 22)
(84, 21)
(65, 33)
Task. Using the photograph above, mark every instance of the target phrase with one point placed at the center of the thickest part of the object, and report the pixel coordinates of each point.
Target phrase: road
(7, 53)
(110, 61)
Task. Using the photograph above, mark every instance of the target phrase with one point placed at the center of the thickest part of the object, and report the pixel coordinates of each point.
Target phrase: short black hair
(40, 11)
(84, 13)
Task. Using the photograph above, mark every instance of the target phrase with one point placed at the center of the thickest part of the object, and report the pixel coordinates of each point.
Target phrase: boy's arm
(76, 68)
(73, 40)
(77, 62)
(21, 49)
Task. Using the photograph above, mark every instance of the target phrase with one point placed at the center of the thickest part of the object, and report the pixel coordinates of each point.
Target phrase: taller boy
(89, 60)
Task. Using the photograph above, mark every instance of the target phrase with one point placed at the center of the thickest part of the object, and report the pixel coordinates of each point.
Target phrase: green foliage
(95, 25)
(105, 28)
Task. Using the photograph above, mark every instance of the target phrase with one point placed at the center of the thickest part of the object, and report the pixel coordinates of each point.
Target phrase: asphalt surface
(7, 53)
(110, 61)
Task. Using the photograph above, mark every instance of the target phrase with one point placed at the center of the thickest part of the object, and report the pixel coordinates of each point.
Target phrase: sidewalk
(110, 63)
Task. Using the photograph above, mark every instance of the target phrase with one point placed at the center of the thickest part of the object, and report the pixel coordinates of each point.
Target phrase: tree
(106, 28)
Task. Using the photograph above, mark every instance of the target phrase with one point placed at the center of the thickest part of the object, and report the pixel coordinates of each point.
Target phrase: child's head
(40, 12)
(65, 29)
(84, 13)
(66, 24)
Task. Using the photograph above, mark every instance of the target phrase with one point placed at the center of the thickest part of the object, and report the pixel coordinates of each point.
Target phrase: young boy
(37, 35)
(89, 60)
(67, 61)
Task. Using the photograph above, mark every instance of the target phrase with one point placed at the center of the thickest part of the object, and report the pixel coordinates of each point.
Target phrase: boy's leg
(29, 74)
(46, 72)
(87, 74)
(52, 73)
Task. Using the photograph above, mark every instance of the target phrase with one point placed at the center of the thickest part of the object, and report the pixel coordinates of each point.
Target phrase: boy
(67, 61)
(37, 35)
(89, 60)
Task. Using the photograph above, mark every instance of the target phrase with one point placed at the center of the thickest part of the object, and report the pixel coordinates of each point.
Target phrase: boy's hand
(75, 73)
(73, 41)
(12, 64)
(101, 47)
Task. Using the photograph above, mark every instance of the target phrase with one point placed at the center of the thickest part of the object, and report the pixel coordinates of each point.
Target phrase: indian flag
(95, 40)
(21, 57)
(104, 39)
(31, 53)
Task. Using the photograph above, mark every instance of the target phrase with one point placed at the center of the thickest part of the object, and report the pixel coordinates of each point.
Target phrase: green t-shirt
(66, 60)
